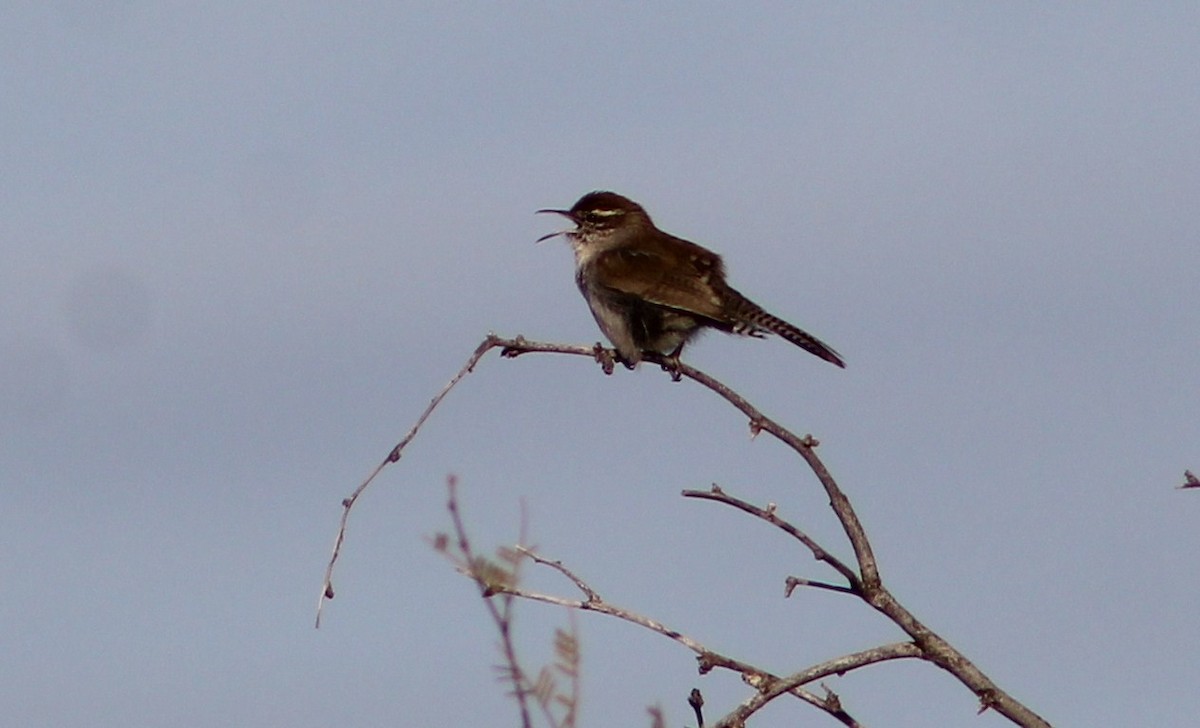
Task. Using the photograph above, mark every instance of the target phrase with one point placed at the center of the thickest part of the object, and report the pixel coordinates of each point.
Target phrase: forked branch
(507, 587)
(862, 580)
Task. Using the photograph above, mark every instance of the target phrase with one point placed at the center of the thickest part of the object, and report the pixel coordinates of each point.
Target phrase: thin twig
(510, 348)
(327, 591)
(757, 677)
(790, 584)
(580, 584)
(501, 616)
(836, 666)
(805, 447)
(769, 515)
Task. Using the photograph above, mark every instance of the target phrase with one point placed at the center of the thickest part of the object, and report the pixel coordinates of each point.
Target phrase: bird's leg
(670, 363)
(604, 357)
(607, 357)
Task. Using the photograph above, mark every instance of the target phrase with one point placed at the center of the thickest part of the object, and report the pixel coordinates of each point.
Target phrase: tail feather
(751, 320)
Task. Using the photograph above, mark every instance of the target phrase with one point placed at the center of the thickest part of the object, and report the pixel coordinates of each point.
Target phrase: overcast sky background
(244, 244)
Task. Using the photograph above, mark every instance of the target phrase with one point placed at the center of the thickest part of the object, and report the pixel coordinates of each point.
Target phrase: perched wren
(651, 291)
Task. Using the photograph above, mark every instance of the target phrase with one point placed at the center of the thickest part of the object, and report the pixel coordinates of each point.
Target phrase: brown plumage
(651, 291)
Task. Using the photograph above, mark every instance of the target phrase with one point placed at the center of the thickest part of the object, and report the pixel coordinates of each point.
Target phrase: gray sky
(244, 244)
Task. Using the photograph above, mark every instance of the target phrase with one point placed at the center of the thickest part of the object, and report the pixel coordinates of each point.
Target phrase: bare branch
(836, 666)
(768, 515)
(792, 582)
(865, 583)
(327, 591)
(805, 447)
(594, 603)
(932, 646)
(706, 658)
(489, 578)
(580, 584)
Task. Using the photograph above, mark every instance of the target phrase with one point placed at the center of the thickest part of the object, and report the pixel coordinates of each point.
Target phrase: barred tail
(749, 319)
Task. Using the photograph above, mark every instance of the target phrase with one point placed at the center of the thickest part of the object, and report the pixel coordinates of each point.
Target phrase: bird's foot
(606, 358)
(603, 357)
(670, 363)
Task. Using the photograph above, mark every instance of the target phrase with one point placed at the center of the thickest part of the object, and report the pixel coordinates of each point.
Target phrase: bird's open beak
(565, 213)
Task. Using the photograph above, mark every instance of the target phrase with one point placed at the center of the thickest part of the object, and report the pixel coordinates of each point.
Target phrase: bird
(651, 291)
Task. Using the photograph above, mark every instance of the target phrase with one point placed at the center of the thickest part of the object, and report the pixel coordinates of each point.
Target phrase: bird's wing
(691, 283)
